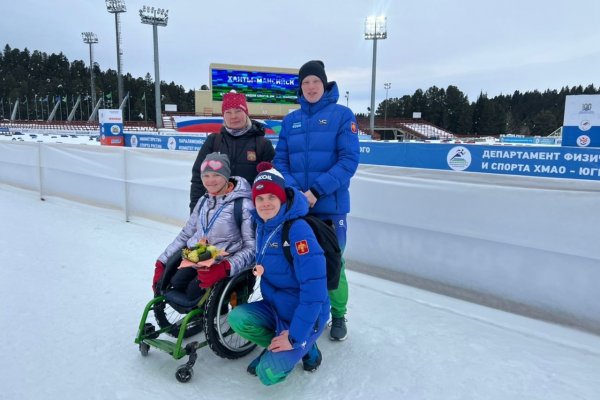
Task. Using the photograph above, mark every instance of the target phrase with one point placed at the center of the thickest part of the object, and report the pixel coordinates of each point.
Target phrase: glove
(159, 268)
(216, 272)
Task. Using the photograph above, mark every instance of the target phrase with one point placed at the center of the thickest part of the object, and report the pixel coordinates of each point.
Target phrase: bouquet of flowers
(201, 255)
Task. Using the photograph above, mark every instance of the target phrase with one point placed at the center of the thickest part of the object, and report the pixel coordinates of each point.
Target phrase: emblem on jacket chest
(251, 155)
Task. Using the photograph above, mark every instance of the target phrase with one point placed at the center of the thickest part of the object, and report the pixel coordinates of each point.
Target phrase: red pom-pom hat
(268, 180)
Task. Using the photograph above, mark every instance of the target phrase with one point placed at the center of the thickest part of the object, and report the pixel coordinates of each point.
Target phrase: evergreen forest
(520, 113)
(38, 81)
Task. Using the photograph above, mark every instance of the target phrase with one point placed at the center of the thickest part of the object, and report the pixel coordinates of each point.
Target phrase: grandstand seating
(77, 127)
(404, 129)
(390, 129)
(168, 122)
(428, 130)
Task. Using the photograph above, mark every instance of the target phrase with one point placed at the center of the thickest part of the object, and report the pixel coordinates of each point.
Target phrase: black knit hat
(313, 67)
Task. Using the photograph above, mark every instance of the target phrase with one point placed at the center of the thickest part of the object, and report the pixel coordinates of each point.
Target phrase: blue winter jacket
(318, 150)
(297, 295)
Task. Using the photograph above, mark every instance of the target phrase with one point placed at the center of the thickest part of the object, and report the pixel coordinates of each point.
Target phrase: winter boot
(312, 359)
(252, 366)
(338, 330)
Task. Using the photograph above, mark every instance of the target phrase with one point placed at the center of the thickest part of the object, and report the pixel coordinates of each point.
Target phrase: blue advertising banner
(549, 162)
(144, 141)
(541, 161)
(174, 142)
(529, 140)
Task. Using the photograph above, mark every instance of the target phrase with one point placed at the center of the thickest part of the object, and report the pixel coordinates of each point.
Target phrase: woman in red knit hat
(241, 138)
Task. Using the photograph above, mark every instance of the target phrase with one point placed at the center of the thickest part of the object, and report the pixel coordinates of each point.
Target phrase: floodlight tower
(91, 38)
(117, 7)
(155, 17)
(375, 28)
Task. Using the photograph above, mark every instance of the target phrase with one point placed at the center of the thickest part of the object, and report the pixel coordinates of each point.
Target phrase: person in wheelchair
(219, 221)
(295, 307)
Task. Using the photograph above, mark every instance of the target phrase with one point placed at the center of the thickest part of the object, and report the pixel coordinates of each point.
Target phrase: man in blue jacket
(294, 308)
(318, 154)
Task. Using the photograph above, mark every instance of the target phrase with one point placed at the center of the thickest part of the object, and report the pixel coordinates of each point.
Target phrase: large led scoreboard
(258, 86)
(270, 91)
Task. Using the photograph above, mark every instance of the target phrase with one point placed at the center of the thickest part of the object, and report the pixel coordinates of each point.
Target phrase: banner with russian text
(540, 161)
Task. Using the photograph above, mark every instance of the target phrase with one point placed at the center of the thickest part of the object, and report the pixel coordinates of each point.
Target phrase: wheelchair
(181, 318)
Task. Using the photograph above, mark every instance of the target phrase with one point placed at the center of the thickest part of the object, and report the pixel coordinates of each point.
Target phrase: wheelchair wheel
(167, 317)
(226, 295)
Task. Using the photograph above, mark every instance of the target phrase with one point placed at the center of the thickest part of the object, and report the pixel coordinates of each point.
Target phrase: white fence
(532, 241)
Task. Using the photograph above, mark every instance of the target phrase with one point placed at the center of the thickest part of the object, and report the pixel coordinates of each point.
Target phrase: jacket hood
(242, 188)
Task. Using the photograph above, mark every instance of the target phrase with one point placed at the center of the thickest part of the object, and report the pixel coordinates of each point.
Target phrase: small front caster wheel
(184, 373)
(144, 349)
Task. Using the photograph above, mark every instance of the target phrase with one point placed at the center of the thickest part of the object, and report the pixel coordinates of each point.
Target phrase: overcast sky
(490, 46)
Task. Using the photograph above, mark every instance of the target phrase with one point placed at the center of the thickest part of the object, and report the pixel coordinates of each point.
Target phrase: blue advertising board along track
(541, 161)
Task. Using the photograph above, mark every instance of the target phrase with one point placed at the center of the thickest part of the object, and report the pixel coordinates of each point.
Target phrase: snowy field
(75, 280)
(50, 136)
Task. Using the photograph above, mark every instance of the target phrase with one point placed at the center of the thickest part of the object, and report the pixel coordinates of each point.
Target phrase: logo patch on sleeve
(353, 127)
(302, 247)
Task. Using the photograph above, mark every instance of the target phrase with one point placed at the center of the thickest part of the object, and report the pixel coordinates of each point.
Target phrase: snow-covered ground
(75, 279)
(49, 136)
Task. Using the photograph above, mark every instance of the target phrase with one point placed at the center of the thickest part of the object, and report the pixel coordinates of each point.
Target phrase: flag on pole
(109, 96)
(144, 96)
(65, 99)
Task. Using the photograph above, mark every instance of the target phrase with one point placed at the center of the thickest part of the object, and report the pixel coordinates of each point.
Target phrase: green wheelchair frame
(211, 311)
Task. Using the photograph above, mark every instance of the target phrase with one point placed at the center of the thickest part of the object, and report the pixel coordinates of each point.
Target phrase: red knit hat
(234, 100)
(268, 180)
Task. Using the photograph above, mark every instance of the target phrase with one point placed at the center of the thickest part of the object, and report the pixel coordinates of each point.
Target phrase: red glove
(159, 268)
(214, 274)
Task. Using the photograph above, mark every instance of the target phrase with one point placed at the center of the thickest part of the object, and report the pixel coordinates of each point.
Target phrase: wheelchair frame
(212, 302)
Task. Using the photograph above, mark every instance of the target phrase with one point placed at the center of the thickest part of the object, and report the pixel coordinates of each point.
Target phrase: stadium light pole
(155, 17)
(386, 86)
(375, 29)
(117, 7)
(90, 38)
